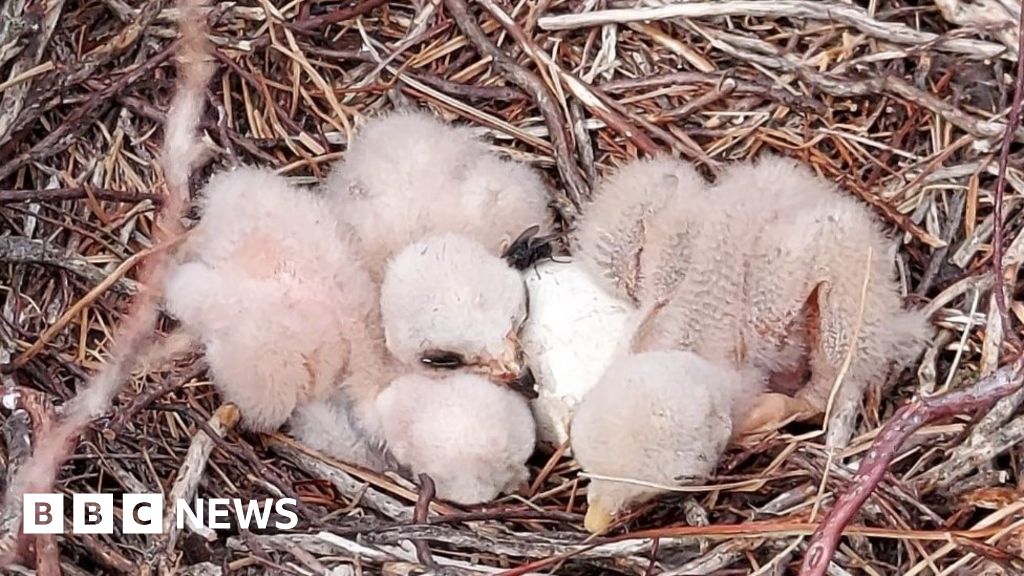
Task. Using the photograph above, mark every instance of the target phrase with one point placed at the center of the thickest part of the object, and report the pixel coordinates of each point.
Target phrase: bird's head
(470, 435)
(449, 304)
(654, 419)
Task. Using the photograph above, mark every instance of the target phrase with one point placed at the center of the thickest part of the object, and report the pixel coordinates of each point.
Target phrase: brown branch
(337, 16)
(907, 420)
(534, 86)
(609, 111)
(468, 90)
(1012, 122)
(921, 411)
(56, 194)
(419, 516)
(19, 249)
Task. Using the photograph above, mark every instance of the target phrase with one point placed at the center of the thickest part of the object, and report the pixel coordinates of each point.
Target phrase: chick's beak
(597, 519)
(510, 365)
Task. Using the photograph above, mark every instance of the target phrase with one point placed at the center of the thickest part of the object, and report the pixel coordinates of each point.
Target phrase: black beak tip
(525, 384)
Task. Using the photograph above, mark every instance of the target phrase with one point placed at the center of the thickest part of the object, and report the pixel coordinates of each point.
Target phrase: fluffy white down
(446, 292)
(276, 294)
(408, 174)
(470, 436)
(632, 236)
(808, 232)
(657, 234)
(328, 425)
(658, 417)
(574, 331)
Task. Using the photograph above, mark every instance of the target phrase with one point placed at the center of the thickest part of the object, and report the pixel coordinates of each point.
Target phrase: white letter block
(142, 513)
(43, 514)
(92, 513)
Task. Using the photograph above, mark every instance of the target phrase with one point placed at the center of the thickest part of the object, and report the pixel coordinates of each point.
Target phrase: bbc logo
(93, 513)
(143, 513)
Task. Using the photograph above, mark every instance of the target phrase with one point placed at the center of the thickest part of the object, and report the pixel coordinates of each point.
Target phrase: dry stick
(47, 552)
(31, 414)
(532, 84)
(55, 194)
(337, 16)
(47, 555)
(420, 516)
(997, 216)
(21, 250)
(191, 472)
(82, 117)
(181, 150)
(916, 413)
(76, 309)
(845, 14)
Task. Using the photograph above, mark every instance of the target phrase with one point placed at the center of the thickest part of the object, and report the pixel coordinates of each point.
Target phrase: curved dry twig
(903, 424)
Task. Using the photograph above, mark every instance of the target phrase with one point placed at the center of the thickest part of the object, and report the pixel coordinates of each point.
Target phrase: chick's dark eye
(442, 359)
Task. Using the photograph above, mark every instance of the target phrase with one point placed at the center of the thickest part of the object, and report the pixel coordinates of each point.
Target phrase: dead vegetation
(903, 103)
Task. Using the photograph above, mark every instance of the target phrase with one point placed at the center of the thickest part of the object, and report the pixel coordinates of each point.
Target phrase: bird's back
(409, 174)
(808, 270)
(634, 236)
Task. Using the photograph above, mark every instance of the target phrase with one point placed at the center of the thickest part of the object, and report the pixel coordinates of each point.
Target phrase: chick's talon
(774, 410)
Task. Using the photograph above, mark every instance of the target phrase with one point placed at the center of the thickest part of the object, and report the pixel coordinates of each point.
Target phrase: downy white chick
(635, 237)
(764, 269)
(433, 202)
(408, 174)
(447, 303)
(470, 436)
(332, 426)
(276, 294)
(652, 237)
(654, 417)
(758, 274)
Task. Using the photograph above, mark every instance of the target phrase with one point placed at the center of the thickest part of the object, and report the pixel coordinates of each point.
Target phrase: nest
(903, 104)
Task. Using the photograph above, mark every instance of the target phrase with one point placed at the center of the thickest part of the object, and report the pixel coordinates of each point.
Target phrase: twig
(72, 312)
(47, 555)
(180, 148)
(83, 116)
(532, 84)
(19, 249)
(916, 413)
(1004, 156)
(600, 105)
(469, 90)
(344, 483)
(420, 516)
(31, 415)
(52, 194)
(336, 16)
(766, 54)
(853, 16)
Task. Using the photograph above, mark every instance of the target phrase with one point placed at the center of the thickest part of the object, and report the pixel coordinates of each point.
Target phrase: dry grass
(901, 103)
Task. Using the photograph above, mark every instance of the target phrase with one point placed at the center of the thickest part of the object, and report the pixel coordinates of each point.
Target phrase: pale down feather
(276, 293)
(658, 419)
(757, 274)
(421, 196)
(471, 436)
